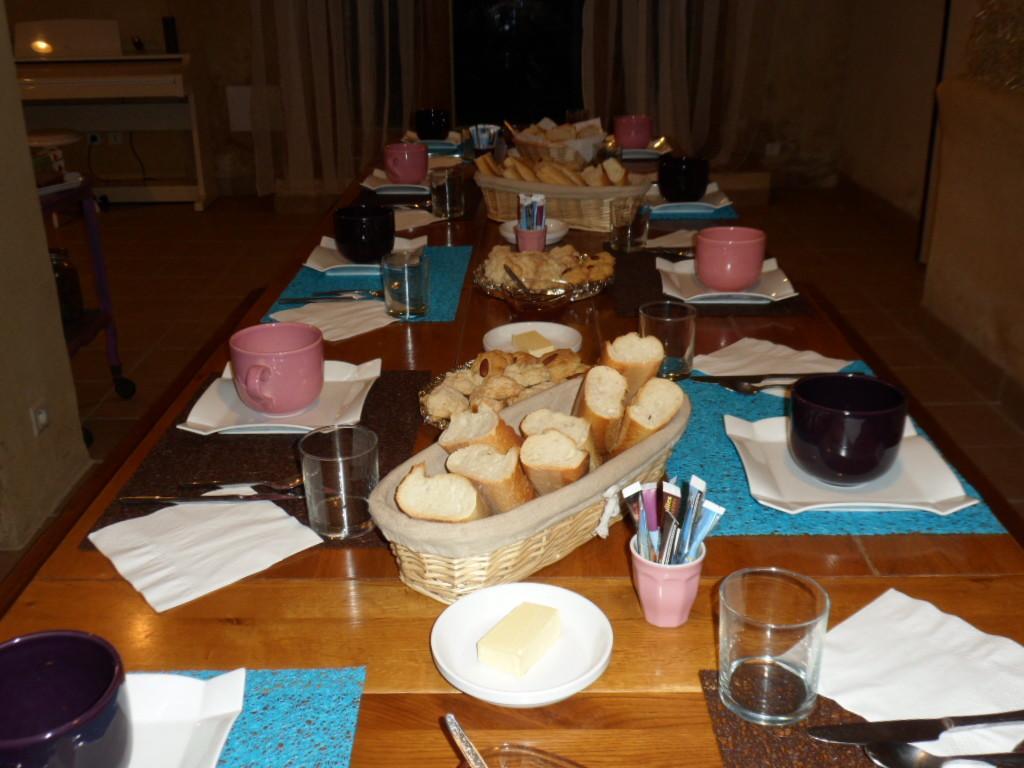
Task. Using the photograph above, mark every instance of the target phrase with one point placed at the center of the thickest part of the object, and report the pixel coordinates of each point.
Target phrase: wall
(35, 473)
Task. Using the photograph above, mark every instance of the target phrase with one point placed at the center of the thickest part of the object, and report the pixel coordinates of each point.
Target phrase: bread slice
(486, 165)
(616, 172)
(550, 173)
(601, 402)
(444, 498)
(594, 176)
(574, 176)
(523, 169)
(484, 427)
(636, 357)
(498, 476)
(552, 460)
(561, 133)
(656, 404)
(576, 429)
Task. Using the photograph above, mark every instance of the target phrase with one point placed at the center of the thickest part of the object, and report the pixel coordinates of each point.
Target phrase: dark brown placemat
(743, 744)
(391, 410)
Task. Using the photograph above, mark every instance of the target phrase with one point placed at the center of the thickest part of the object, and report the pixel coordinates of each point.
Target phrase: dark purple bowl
(63, 703)
(845, 428)
(364, 234)
(432, 124)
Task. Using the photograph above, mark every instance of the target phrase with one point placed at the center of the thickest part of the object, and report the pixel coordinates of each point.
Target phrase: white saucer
(680, 281)
(578, 658)
(920, 478)
(556, 231)
(640, 154)
(346, 386)
(714, 198)
(560, 336)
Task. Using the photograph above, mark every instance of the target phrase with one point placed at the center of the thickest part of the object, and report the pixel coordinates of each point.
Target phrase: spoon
(462, 741)
(892, 754)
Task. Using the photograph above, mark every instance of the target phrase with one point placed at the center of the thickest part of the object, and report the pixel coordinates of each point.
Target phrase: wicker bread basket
(579, 207)
(448, 560)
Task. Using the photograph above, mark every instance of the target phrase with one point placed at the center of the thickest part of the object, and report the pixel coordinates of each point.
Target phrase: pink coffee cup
(278, 368)
(406, 163)
(729, 258)
(531, 239)
(633, 131)
(666, 592)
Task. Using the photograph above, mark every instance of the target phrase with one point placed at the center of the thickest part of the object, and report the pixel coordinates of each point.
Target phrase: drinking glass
(406, 279)
(339, 469)
(675, 323)
(447, 196)
(630, 221)
(771, 632)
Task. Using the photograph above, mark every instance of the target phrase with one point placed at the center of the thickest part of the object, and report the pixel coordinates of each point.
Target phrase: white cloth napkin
(901, 658)
(681, 238)
(339, 320)
(412, 218)
(185, 551)
(326, 256)
(755, 356)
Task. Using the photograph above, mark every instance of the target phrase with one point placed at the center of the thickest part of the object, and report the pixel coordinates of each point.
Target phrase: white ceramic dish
(640, 154)
(327, 258)
(920, 478)
(714, 198)
(680, 281)
(556, 231)
(578, 658)
(560, 336)
(341, 402)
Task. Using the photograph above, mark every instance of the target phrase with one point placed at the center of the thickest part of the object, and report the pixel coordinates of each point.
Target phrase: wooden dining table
(338, 606)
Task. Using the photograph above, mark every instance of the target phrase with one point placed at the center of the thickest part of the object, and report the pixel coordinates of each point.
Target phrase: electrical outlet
(115, 137)
(40, 416)
(95, 138)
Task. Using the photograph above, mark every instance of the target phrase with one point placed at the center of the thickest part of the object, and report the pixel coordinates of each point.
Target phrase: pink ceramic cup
(633, 131)
(278, 368)
(406, 163)
(666, 592)
(730, 258)
(531, 239)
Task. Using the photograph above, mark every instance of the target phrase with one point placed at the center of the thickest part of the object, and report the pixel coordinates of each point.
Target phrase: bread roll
(442, 402)
(552, 460)
(602, 401)
(484, 427)
(576, 429)
(656, 404)
(498, 476)
(636, 357)
(445, 498)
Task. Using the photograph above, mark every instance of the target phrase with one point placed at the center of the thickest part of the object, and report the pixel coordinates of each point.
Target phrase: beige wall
(35, 472)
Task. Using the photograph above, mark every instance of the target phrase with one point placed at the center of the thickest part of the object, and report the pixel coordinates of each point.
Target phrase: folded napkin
(413, 218)
(901, 658)
(681, 238)
(327, 258)
(185, 551)
(755, 356)
(339, 320)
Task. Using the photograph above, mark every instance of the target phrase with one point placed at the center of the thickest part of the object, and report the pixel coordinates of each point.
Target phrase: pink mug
(406, 163)
(278, 368)
(729, 258)
(531, 239)
(633, 131)
(666, 592)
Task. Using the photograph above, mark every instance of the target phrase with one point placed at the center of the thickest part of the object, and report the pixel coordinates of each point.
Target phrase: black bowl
(63, 703)
(682, 179)
(364, 233)
(432, 123)
(845, 428)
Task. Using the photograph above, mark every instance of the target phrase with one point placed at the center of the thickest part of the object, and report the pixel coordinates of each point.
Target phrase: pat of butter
(534, 343)
(519, 640)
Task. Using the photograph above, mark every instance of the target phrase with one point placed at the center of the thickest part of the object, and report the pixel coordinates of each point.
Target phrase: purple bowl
(845, 428)
(63, 703)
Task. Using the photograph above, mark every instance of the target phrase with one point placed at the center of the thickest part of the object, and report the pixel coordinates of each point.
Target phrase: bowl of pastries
(535, 279)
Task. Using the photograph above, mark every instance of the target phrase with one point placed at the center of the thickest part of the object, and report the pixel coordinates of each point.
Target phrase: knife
(905, 730)
(752, 378)
(324, 299)
(232, 498)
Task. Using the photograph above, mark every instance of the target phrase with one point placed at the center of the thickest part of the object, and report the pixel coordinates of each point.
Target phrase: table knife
(905, 730)
(232, 498)
(325, 299)
(752, 378)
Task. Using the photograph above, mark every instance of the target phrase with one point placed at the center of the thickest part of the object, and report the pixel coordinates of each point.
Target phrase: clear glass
(675, 323)
(447, 194)
(630, 221)
(339, 469)
(406, 279)
(771, 632)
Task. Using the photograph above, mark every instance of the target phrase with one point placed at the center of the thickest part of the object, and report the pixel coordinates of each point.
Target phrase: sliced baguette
(524, 170)
(444, 498)
(656, 404)
(552, 460)
(602, 402)
(498, 476)
(594, 176)
(576, 429)
(617, 174)
(636, 357)
(486, 165)
(484, 427)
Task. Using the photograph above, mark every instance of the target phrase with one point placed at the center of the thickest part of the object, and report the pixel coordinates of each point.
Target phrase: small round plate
(560, 336)
(556, 231)
(578, 658)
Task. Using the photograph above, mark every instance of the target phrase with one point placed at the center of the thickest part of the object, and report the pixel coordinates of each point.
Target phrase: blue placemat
(725, 213)
(705, 450)
(294, 718)
(447, 273)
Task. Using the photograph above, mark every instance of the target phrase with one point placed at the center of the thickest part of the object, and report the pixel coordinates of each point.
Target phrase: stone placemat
(391, 410)
(742, 744)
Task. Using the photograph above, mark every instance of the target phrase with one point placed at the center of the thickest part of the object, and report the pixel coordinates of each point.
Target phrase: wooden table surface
(340, 607)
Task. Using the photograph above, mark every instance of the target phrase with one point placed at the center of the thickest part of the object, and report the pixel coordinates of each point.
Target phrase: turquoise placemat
(725, 213)
(447, 272)
(705, 450)
(294, 718)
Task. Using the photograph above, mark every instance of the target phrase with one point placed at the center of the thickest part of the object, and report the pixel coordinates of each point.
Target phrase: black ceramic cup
(63, 703)
(432, 123)
(364, 233)
(682, 179)
(845, 428)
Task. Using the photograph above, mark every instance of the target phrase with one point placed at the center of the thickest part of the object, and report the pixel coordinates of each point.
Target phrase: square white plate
(714, 198)
(327, 258)
(920, 478)
(341, 402)
(680, 280)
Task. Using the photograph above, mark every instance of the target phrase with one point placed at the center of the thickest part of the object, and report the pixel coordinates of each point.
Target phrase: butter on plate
(521, 639)
(533, 342)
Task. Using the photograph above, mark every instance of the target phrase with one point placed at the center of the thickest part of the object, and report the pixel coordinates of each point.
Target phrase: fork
(292, 485)
(750, 388)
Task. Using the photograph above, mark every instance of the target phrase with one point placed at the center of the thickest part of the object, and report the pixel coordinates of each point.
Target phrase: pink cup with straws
(531, 239)
(666, 592)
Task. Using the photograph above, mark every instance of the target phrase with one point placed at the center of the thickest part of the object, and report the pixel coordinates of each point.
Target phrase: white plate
(327, 258)
(341, 402)
(556, 231)
(680, 281)
(714, 198)
(560, 336)
(920, 478)
(578, 658)
(640, 154)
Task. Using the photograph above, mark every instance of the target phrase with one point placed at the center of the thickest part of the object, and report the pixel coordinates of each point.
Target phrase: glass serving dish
(522, 756)
(577, 291)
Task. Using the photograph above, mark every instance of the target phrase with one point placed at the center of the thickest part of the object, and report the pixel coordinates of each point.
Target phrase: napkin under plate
(679, 279)
(681, 238)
